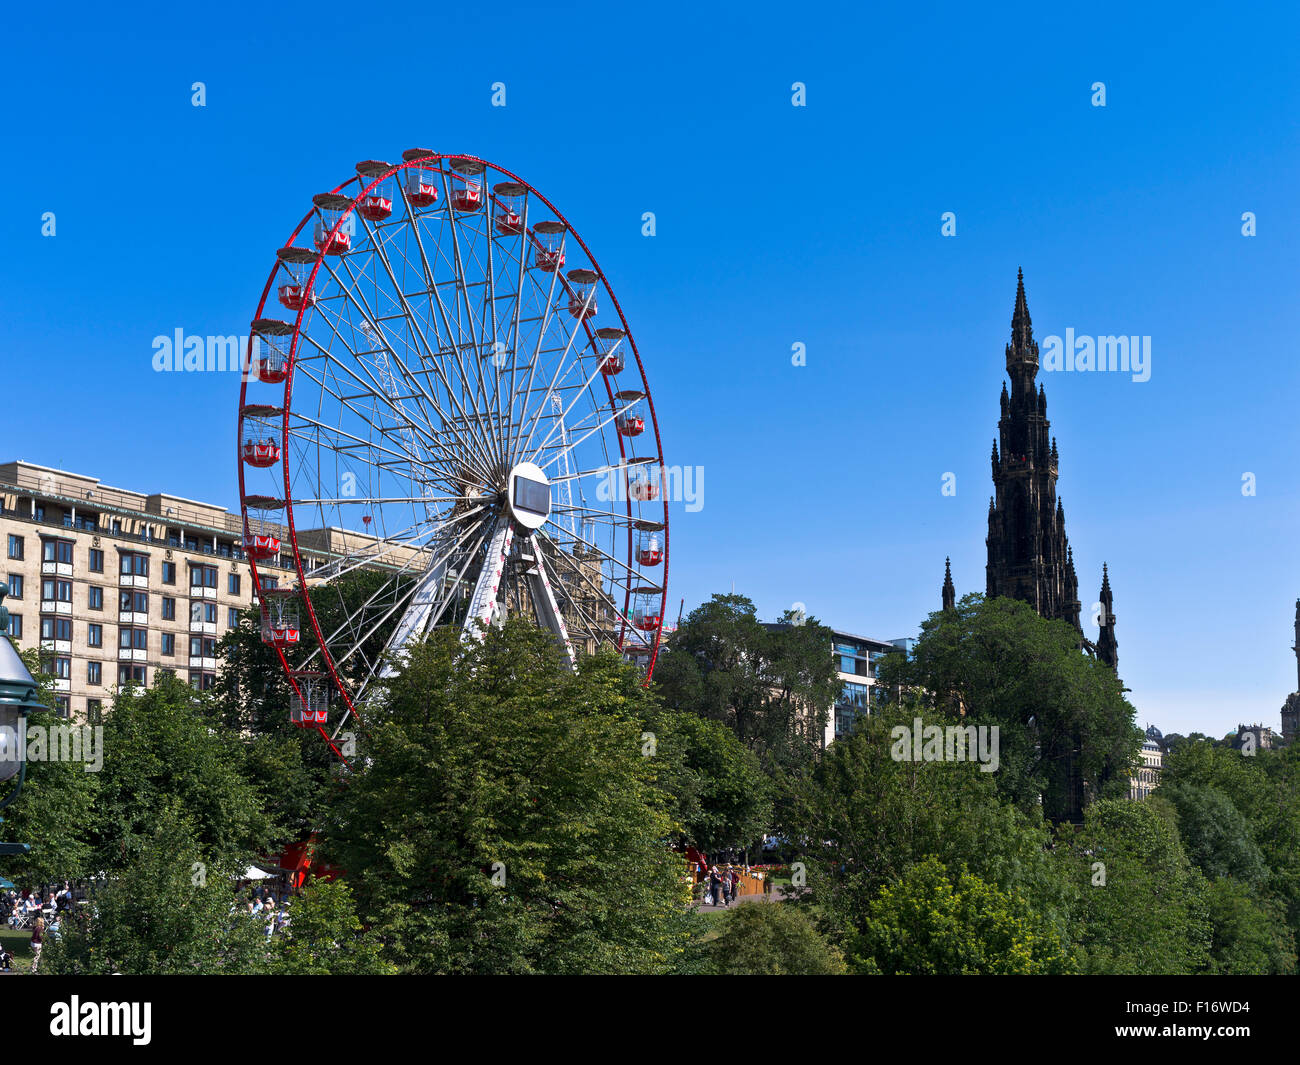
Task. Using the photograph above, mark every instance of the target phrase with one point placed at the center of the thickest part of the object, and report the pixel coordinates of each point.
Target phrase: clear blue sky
(776, 225)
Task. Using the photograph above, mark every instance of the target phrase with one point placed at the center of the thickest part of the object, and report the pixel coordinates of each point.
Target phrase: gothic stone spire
(1107, 645)
(1028, 551)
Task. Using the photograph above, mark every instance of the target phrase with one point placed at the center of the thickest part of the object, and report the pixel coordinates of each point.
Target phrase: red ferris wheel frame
(423, 161)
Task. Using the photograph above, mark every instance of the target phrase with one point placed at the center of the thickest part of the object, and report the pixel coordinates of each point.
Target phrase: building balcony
(132, 654)
(132, 580)
(200, 662)
(55, 606)
(208, 628)
(59, 647)
(132, 617)
(56, 569)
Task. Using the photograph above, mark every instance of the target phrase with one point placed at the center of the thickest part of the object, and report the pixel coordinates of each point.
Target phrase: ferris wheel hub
(529, 495)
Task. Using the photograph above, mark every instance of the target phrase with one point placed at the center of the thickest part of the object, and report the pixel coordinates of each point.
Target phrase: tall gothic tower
(1029, 556)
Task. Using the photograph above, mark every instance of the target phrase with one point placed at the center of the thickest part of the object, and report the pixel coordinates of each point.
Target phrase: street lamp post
(18, 698)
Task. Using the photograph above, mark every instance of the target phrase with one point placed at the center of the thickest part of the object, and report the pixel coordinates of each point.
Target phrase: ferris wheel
(445, 421)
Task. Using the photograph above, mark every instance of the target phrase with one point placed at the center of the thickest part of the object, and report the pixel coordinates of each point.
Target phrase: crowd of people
(722, 885)
(42, 916)
(262, 907)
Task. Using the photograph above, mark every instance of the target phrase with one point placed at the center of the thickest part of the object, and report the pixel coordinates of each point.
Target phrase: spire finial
(949, 592)
(1022, 331)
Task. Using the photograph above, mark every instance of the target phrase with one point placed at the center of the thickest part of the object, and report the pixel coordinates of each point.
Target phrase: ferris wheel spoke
(406, 571)
(601, 471)
(358, 450)
(390, 355)
(428, 357)
(533, 362)
(598, 515)
(578, 572)
(296, 433)
(377, 391)
(471, 334)
(403, 540)
(454, 345)
(560, 367)
(595, 428)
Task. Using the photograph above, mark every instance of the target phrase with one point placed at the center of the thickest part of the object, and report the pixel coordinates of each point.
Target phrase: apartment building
(113, 585)
(856, 659)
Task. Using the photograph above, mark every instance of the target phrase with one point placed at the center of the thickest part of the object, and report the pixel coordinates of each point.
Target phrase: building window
(57, 551)
(63, 706)
(95, 710)
(63, 668)
(95, 635)
(56, 629)
(94, 674)
(168, 643)
(133, 638)
(131, 675)
(133, 564)
(169, 573)
(203, 647)
(232, 617)
(202, 681)
(15, 586)
(168, 608)
(232, 583)
(133, 601)
(56, 589)
(855, 696)
(203, 576)
(95, 598)
(15, 546)
(16, 626)
(96, 560)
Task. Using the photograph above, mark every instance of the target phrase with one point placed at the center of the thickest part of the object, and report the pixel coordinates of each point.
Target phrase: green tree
(934, 920)
(1250, 937)
(862, 819)
(1264, 789)
(507, 820)
(771, 939)
(1215, 835)
(163, 747)
(55, 805)
(167, 910)
(717, 791)
(324, 937)
(773, 686)
(1141, 905)
(1059, 712)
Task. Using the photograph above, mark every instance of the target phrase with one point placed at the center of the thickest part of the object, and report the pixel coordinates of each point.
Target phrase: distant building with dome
(1146, 778)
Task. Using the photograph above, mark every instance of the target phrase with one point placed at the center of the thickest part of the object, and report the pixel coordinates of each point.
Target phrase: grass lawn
(19, 944)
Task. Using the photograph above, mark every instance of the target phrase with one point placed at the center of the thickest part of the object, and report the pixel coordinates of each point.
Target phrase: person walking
(38, 934)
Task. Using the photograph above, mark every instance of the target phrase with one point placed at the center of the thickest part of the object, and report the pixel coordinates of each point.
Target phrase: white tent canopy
(254, 873)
